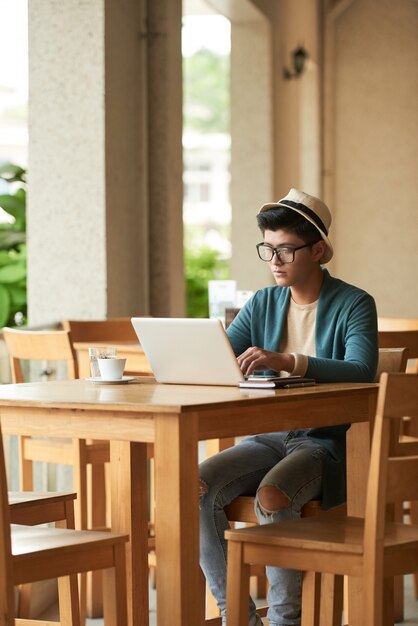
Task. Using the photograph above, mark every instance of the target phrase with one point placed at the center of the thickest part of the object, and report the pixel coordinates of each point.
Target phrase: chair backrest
(397, 323)
(400, 338)
(114, 330)
(53, 345)
(391, 360)
(6, 576)
(404, 336)
(393, 475)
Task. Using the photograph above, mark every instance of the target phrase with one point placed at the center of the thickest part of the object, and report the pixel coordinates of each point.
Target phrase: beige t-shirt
(299, 335)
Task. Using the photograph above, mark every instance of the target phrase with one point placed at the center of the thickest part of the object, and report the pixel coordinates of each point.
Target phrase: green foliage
(201, 266)
(206, 92)
(13, 299)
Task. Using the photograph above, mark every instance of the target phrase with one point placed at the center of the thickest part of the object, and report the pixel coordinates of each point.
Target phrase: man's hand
(257, 359)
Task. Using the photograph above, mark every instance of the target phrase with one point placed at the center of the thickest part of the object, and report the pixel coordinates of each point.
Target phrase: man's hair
(291, 221)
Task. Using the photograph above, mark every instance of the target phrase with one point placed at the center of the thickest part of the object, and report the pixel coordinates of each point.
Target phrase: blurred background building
(134, 183)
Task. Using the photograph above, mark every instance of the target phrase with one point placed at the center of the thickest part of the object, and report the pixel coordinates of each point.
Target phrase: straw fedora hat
(312, 209)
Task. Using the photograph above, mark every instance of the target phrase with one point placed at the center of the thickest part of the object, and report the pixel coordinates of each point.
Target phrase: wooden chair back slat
(400, 339)
(54, 345)
(391, 360)
(112, 330)
(402, 481)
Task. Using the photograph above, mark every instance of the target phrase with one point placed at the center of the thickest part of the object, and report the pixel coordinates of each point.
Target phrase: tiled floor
(411, 609)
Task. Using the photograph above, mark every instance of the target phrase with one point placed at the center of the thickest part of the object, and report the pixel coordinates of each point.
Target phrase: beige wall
(375, 228)
(347, 130)
(296, 101)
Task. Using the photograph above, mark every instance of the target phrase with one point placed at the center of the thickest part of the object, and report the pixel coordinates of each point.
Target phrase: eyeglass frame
(276, 251)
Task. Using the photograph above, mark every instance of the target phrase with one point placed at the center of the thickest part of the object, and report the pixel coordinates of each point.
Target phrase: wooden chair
(374, 549)
(34, 508)
(87, 458)
(403, 332)
(32, 553)
(115, 331)
(242, 510)
(112, 331)
(400, 331)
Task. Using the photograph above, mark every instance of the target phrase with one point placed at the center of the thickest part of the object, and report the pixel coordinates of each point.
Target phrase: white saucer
(120, 381)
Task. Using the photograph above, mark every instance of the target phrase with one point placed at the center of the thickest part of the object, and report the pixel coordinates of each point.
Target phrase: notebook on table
(188, 351)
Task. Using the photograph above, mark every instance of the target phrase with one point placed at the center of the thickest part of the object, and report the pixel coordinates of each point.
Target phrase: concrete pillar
(104, 149)
(165, 127)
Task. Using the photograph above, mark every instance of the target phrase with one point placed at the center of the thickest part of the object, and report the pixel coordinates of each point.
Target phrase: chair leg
(96, 519)
(25, 466)
(80, 483)
(68, 601)
(81, 512)
(114, 585)
(332, 600)
(212, 609)
(151, 506)
(25, 595)
(258, 582)
(398, 584)
(238, 586)
(388, 595)
(311, 597)
(414, 520)
(398, 603)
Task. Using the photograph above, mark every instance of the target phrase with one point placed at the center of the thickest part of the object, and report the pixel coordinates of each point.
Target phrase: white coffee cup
(111, 368)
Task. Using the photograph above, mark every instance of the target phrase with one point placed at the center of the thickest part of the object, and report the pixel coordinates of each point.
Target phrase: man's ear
(318, 249)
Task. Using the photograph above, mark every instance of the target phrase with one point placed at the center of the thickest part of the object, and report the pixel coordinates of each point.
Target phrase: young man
(308, 324)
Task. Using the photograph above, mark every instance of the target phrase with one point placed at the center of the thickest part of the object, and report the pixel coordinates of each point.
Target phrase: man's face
(306, 260)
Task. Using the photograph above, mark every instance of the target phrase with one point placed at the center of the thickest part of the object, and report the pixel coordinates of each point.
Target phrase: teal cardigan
(346, 350)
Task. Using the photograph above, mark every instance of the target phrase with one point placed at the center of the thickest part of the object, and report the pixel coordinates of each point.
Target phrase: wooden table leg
(129, 513)
(179, 597)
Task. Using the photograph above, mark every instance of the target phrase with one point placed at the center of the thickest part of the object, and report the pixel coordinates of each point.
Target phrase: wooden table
(136, 361)
(175, 417)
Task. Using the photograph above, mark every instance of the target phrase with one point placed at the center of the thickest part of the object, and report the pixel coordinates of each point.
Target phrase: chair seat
(23, 499)
(32, 507)
(55, 550)
(335, 536)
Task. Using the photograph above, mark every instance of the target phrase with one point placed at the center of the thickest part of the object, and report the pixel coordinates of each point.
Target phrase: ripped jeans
(292, 462)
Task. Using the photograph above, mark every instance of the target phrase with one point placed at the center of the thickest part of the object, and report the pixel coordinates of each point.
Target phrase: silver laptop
(188, 351)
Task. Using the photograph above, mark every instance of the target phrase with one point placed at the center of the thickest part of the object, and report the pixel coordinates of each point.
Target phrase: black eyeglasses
(283, 253)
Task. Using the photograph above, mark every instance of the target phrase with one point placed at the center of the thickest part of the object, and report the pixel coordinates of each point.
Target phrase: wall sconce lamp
(299, 56)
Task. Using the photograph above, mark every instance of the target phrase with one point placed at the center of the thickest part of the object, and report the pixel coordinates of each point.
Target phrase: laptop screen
(188, 351)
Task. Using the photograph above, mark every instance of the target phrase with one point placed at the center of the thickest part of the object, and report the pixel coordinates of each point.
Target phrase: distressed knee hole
(271, 499)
